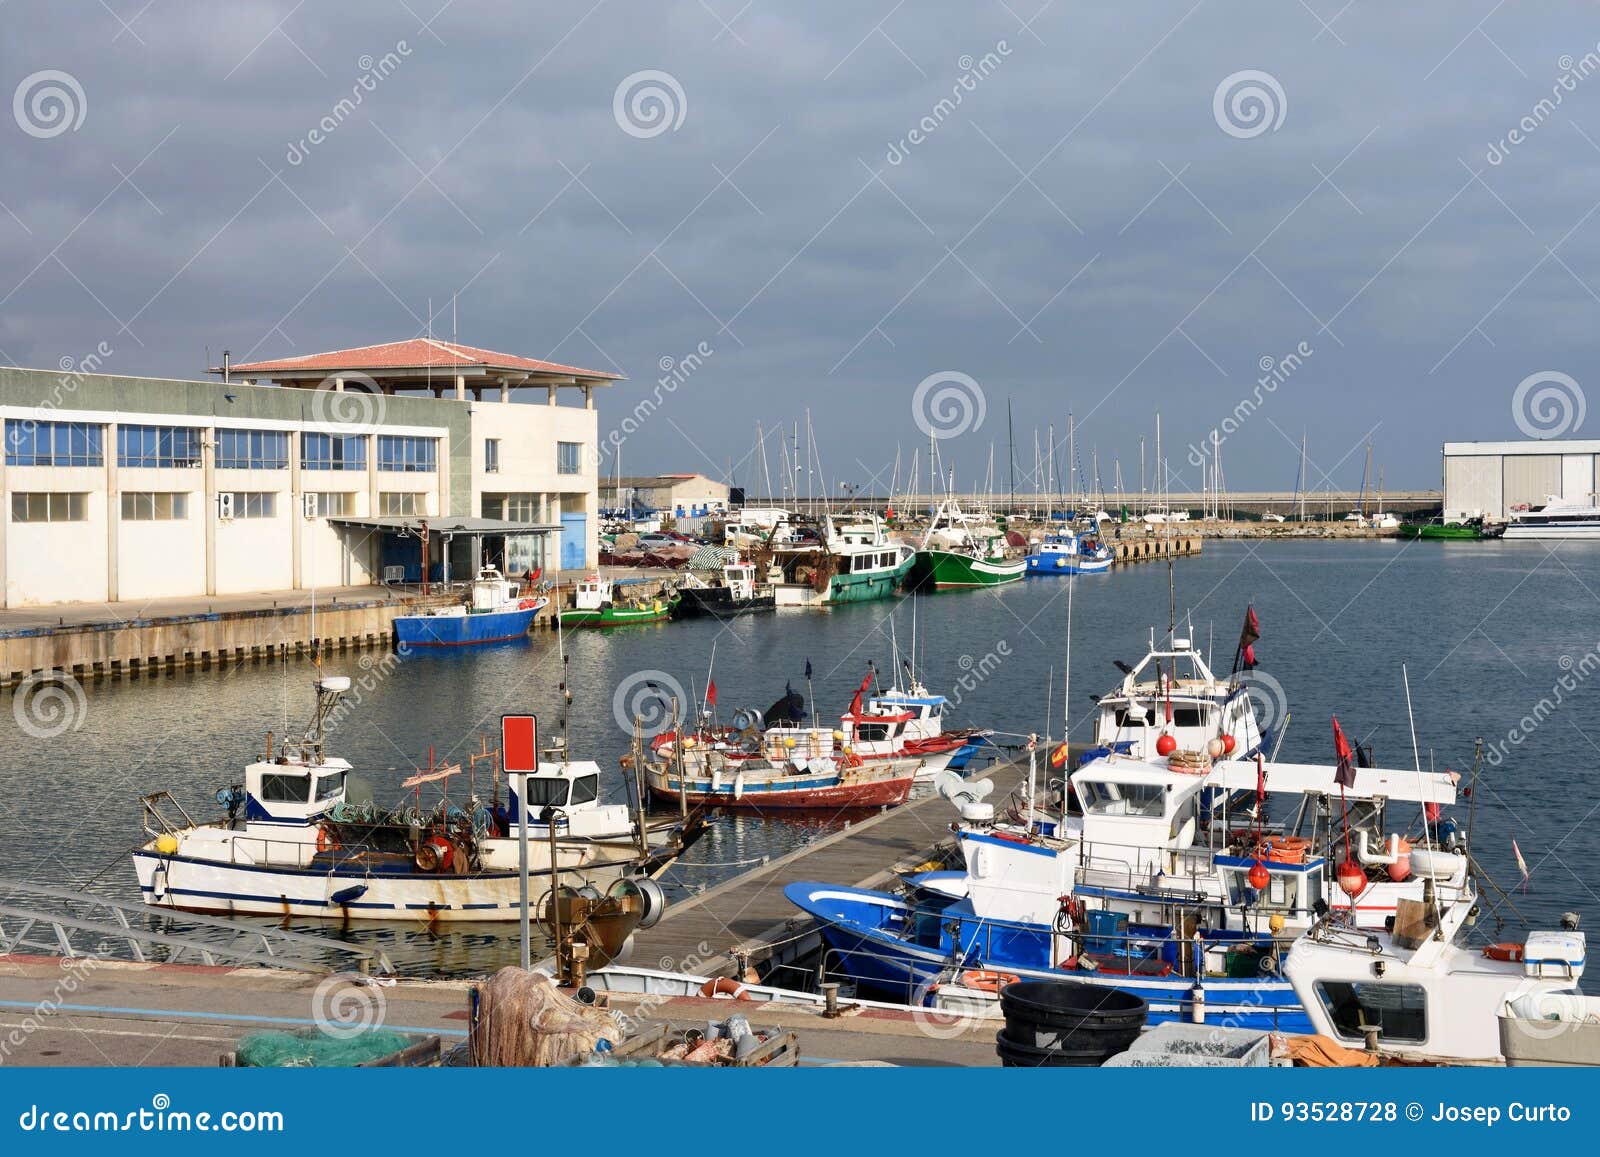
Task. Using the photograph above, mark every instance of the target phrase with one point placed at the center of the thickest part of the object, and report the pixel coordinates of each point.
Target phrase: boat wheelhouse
(1173, 692)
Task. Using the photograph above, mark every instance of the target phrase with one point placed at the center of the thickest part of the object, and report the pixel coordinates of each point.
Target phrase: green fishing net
(317, 1049)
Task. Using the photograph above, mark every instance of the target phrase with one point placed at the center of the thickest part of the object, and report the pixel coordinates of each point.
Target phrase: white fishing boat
(1558, 518)
(1172, 700)
(1417, 993)
(292, 843)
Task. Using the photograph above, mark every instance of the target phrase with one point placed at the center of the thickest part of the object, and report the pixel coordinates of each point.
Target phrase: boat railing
(271, 851)
(154, 818)
(1140, 865)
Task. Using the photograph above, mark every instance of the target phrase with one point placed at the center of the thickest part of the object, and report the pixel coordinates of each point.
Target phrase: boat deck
(746, 922)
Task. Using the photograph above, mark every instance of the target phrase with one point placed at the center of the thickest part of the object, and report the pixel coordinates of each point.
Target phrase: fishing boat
(849, 559)
(1416, 993)
(959, 552)
(292, 843)
(789, 768)
(1071, 554)
(596, 603)
(1557, 519)
(737, 593)
(1172, 701)
(924, 732)
(493, 612)
(1148, 890)
(1439, 530)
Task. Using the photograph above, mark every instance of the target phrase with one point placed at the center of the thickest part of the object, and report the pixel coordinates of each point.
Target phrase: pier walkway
(746, 923)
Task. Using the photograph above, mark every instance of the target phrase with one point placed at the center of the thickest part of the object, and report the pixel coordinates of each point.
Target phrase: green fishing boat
(960, 552)
(596, 605)
(850, 559)
(1439, 530)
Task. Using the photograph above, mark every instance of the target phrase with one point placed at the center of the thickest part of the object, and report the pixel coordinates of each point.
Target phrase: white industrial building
(680, 495)
(1494, 479)
(118, 488)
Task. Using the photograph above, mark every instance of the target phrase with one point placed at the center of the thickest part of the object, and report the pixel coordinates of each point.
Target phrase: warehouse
(341, 473)
(1494, 479)
(680, 495)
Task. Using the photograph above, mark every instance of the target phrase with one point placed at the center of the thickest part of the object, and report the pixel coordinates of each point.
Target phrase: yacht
(1556, 519)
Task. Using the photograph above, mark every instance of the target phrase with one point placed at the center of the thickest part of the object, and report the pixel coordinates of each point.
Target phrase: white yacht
(1556, 519)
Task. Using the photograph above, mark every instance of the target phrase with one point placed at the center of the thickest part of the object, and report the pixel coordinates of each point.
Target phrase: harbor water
(1500, 640)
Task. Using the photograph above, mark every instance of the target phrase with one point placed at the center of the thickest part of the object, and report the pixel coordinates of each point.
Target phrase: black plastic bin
(1056, 1023)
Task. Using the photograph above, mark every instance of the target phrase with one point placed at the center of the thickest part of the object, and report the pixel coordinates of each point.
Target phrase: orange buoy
(723, 988)
(1512, 953)
(985, 980)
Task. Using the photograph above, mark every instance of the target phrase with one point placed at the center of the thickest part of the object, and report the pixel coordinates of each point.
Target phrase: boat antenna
(1066, 678)
(1172, 603)
(566, 693)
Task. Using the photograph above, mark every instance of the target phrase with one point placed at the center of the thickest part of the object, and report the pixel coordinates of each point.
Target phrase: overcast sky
(1095, 226)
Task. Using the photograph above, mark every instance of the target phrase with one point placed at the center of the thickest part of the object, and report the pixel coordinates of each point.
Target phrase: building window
(511, 507)
(333, 451)
(49, 507)
(331, 503)
(252, 450)
(390, 502)
(151, 446)
(255, 504)
(406, 454)
(154, 506)
(30, 443)
(569, 457)
(491, 455)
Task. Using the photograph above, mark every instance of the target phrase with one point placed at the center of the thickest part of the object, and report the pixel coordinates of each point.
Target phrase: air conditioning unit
(225, 506)
(308, 503)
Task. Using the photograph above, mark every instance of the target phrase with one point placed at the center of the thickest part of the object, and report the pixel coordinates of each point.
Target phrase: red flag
(1345, 773)
(1247, 639)
(1261, 780)
(711, 693)
(855, 702)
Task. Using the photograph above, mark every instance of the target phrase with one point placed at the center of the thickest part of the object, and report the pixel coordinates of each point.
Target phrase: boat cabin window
(586, 789)
(1123, 799)
(1285, 892)
(329, 786)
(1188, 716)
(546, 792)
(1399, 1010)
(874, 732)
(277, 787)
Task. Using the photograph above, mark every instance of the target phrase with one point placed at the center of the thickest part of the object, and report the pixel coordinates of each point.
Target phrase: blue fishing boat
(1071, 554)
(493, 613)
(1152, 889)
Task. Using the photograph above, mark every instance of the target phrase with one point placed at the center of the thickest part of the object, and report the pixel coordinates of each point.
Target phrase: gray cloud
(773, 225)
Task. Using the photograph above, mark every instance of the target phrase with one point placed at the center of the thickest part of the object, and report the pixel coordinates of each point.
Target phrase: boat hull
(942, 570)
(787, 792)
(657, 612)
(864, 930)
(186, 884)
(1060, 564)
(464, 630)
(719, 604)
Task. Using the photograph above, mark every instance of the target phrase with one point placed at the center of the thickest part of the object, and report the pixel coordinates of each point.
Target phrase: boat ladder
(36, 919)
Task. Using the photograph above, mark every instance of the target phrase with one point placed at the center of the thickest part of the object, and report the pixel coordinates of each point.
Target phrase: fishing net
(524, 1020)
(317, 1049)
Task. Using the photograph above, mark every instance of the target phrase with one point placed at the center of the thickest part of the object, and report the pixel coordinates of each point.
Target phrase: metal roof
(447, 524)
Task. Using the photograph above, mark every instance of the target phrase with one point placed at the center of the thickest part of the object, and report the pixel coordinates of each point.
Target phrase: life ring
(325, 840)
(1286, 849)
(985, 980)
(1513, 953)
(723, 988)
